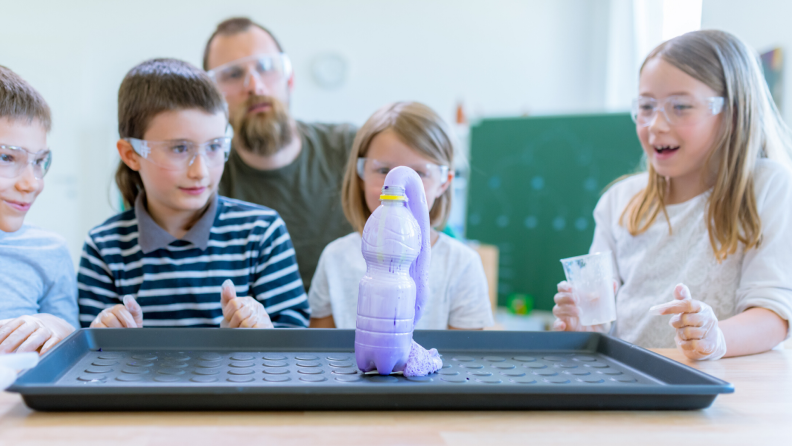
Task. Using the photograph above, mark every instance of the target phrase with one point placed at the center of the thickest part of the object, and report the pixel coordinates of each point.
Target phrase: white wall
(502, 57)
(763, 24)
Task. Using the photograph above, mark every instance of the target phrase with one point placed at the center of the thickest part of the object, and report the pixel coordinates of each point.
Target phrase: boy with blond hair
(38, 293)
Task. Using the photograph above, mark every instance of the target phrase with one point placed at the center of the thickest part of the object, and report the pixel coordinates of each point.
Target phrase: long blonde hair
(751, 128)
(419, 127)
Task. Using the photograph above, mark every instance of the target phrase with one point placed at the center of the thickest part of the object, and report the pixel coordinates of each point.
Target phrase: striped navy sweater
(178, 284)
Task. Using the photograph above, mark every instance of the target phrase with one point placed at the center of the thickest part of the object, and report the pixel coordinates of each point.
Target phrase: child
(38, 294)
(162, 263)
(712, 211)
(401, 134)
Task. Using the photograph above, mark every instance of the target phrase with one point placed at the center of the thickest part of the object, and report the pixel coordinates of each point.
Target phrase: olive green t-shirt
(306, 193)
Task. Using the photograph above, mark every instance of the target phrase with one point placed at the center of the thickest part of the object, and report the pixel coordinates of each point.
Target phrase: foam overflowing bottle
(393, 291)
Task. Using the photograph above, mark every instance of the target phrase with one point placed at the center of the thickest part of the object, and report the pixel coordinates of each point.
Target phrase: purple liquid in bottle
(393, 290)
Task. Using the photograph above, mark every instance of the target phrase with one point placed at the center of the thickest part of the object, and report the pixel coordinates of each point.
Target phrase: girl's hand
(242, 312)
(698, 335)
(36, 332)
(129, 315)
(567, 313)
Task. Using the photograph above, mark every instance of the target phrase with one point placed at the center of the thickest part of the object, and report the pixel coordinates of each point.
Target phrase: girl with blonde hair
(710, 221)
(401, 134)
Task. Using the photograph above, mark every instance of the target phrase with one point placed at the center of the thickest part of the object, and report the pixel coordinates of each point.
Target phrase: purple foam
(419, 270)
(422, 361)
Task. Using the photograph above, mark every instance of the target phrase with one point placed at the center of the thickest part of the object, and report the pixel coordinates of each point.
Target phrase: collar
(152, 237)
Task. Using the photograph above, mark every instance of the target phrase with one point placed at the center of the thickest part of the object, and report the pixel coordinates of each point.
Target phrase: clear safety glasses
(374, 171)
(179, 154)
(678, 110)
(272, 69)
(14, 160)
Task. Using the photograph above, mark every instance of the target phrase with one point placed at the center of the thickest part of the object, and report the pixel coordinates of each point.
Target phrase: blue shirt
(178, 282)
(36, 275)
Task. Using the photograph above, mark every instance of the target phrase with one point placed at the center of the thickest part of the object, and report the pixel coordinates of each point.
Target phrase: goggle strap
(287, 68)
(716, 105)
(361, 166)
(140, 146)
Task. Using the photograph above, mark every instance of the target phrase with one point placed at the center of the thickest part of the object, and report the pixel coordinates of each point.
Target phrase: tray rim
(715, 386)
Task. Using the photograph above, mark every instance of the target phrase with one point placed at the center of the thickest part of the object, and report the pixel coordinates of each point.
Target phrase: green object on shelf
(534, 183)
(519, 303)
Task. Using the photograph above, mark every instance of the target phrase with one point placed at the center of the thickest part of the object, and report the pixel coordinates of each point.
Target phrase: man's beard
(264, 133)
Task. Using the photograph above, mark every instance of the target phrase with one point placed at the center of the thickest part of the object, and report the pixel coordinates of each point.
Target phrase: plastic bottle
(393, 290)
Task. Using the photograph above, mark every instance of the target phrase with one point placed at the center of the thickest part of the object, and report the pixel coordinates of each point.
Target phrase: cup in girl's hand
(591, 279)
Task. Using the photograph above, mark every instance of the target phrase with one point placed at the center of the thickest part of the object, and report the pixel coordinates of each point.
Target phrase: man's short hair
(235, 25)
(159, 85)
(19, 100)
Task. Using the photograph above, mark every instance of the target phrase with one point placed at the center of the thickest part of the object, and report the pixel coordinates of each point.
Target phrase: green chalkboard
(534, 183)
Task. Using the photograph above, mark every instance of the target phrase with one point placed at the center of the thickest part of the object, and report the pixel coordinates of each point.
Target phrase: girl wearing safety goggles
(705, 234)
(401, 134)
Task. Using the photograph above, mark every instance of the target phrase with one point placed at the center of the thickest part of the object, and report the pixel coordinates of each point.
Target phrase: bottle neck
(392, 194)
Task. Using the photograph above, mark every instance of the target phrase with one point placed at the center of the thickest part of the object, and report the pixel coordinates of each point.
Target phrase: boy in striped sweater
(182, 256)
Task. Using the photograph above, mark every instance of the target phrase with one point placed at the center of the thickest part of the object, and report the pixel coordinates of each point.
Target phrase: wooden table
(759, 413)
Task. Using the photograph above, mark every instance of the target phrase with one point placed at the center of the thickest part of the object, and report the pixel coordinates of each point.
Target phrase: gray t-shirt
(36, 275)
(306, 193)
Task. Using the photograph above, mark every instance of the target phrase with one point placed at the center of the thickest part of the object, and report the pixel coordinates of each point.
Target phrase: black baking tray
(314, 369)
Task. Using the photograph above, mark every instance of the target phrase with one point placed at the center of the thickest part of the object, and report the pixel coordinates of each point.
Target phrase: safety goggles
(180, 154)
(272, 69)
(14, 160)
(374, 171)
(678, 110)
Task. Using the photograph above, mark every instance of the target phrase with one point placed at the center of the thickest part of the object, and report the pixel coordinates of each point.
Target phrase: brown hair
(150, 88)
(19, 100)
(751, 128)
(419, 127)
(229, 27)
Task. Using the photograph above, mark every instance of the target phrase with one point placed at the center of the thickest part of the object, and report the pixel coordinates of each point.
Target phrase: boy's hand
(698, 335)
(30, 333)
(242, 312)
(129, 315)
(567, 313)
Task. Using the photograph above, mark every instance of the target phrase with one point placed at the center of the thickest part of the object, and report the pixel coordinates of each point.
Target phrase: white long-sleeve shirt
(650, 264)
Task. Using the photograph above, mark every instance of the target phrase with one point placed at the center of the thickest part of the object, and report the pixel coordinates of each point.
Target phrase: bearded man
(290, 166)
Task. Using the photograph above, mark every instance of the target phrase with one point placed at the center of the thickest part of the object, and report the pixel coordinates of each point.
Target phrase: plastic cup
(591, 278)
